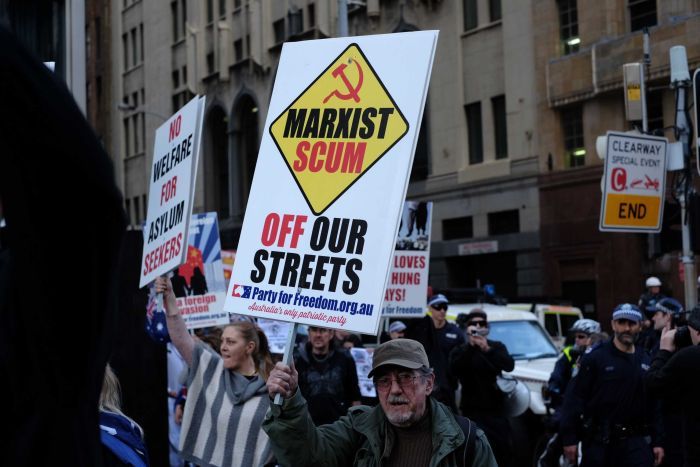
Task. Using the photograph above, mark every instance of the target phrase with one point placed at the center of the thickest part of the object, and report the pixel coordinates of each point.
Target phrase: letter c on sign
(618, 179)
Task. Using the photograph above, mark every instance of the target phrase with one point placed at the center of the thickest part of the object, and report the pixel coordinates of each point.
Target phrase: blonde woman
(122, 438)
(226, 394)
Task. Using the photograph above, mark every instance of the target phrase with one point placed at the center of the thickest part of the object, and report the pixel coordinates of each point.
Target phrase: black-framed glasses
(581, 336)
(479, 324)
(440, 306)
(404, 380)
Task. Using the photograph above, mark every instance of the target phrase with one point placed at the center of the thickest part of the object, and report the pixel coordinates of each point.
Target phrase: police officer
(565, 369)
(653, 294)
(609, 397)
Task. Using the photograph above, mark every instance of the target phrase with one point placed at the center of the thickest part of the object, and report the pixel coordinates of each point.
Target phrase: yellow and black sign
(338, 128)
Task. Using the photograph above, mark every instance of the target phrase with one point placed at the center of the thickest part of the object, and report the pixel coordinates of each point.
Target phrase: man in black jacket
(675, 375)
(477, 364)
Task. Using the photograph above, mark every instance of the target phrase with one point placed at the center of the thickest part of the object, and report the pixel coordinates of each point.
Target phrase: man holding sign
(408, 428)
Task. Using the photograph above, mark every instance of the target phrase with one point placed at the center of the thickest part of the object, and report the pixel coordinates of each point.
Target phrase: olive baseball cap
(400, 352)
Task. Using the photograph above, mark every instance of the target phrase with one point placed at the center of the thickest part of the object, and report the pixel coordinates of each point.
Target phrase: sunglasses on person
(478, 323)
(440, 306)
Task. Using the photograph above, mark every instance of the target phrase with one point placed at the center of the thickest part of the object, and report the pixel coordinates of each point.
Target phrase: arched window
(217, 170)
(245, 141)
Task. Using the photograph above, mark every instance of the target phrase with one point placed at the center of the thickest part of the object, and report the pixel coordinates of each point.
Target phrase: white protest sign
(276, 333)
(330, 180)
(407, 289)
(175, 155)
(634, 183)
(199, 283)
(363, 364)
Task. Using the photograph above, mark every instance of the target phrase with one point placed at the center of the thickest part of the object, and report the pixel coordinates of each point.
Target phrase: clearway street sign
(634, 183)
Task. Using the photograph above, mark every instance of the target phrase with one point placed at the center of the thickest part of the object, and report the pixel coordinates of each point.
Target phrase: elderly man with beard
(408, 427)
(610, 399)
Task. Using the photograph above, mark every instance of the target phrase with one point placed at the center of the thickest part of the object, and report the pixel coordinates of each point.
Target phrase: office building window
(311, 9)
(127, 138)
(470, 14)
(247, 45)
(495, 10)
(176, 79)
(125, 48)
(210, 11)
(476, 147)
(210, 63)
(500, 131)
(459, 227)
(236, 3)
(642, 14)
(143, 56)
(134, 48)
(568, 26)
(278, 28)
(504, 222)
(222, 8)
(572, 123)
(238, 50)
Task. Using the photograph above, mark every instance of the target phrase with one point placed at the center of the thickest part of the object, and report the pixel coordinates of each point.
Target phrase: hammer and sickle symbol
(352, 90)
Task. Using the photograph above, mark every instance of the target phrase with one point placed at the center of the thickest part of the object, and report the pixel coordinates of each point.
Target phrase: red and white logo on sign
(618, 179)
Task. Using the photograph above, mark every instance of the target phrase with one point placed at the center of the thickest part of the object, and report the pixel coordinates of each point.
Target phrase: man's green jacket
(363, 438)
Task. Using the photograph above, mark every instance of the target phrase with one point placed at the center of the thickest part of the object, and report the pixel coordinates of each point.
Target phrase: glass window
(642, 14)
(311, 9)
(459, 227)
(568, 26)
(476, 147)
(238, 50)
(500, 131)
(504, 222)
(572, 122)
(523, 339)
(210, 11)
(495, 10)
(551, 324)
(278, 28)
(470, 14)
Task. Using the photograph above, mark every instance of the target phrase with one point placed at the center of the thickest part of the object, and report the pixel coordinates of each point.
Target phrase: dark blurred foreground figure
(408, 428)
(58, 260)
(675, 376)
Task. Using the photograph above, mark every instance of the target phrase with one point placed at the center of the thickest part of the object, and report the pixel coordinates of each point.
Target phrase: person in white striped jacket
(226, 396)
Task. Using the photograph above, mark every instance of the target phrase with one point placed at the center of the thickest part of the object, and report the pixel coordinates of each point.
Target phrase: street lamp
(124, 107)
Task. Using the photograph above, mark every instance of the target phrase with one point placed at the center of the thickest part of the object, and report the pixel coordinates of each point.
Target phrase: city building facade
(519, 91)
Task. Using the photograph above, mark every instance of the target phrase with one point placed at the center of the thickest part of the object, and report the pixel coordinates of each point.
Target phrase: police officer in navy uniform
(608, 409)
(564, 370)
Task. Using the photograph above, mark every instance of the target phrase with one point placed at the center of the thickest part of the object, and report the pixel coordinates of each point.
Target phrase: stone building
(519, 91)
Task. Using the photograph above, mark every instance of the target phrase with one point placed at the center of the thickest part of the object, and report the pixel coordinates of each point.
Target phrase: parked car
(534, 353)
(556, 319)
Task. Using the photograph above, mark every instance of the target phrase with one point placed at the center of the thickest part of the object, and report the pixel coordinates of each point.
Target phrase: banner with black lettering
(407, 289)
(330, 180)
(170, 195)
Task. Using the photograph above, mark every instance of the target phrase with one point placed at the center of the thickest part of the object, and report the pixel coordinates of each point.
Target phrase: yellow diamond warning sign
(338, 128)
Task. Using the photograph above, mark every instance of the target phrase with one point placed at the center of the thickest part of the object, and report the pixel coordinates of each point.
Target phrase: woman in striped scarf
(226, 395)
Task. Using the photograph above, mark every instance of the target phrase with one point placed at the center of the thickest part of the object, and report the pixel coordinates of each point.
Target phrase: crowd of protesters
(616, 401)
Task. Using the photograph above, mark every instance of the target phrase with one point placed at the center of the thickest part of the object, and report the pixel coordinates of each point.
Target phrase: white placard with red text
(170, 196)
(330, 181)
(407, 289)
